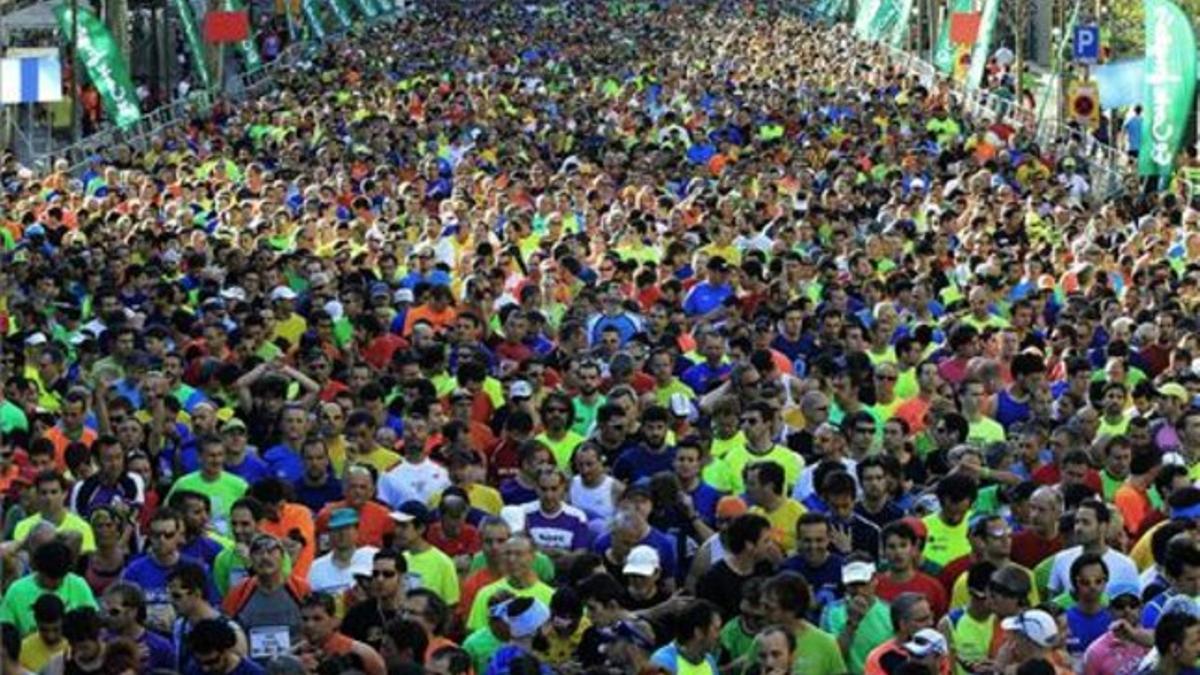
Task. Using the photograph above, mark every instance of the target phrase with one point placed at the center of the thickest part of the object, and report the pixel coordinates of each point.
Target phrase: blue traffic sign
(1087, 44)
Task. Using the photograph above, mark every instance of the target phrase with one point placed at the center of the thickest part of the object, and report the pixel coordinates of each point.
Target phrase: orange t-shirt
(439, 320)
(1134, 505)
(374, 522)
(295, 517)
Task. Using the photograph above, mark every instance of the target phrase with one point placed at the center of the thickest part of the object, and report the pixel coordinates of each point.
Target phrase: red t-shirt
(467, 542)
(1050, 474)
(888, 590)
(1029, 548)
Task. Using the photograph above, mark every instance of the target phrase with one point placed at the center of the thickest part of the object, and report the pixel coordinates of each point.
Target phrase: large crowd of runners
(597, 338)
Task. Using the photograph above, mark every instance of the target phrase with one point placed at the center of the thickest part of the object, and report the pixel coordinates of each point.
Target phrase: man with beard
(652, 455)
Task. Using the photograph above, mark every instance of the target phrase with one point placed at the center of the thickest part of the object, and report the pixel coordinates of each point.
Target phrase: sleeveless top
(597, 502)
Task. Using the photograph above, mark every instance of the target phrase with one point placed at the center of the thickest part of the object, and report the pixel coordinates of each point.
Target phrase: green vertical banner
(367, 8)
(983, 44)
(881, 21)
(313, 17)
(191, 33)
(250, 56)
(944, 53)
(1168, 88)
(98, 54)
(900, 29)
(866, 13)
(341, 12)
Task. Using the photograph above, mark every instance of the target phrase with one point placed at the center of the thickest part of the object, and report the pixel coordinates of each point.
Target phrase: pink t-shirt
(1110, 655)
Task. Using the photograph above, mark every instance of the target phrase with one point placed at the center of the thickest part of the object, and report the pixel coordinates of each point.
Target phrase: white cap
(641, 561)
(35, 340)
(283, 293)
(334, 309)
(857, 572)
(926, 642)
(521, 389)
(1034, 624)
(403, 295)
(234, 293)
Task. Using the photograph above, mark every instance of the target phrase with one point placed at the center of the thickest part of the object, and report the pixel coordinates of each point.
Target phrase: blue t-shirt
(824, 580)
(654, 538)
(202, 548)
(146, 572)
(705, 297)
(638, 462)
(252, 469)
(244, 667)
(703, 377)
(1084, 629)
(284, 463)
(315, 498)
(1009, 411)
(704, 500)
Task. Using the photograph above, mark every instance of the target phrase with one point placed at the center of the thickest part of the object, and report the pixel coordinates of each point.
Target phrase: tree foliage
(1123, 25)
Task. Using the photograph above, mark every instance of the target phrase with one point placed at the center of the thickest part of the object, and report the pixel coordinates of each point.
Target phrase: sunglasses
(1125, 604)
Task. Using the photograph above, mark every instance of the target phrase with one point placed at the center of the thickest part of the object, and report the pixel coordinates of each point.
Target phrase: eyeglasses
(749, 421)
(886, 378)
(1125, 604)
(864, 430)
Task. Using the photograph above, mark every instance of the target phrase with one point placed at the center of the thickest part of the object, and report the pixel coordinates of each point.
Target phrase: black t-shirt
(365, 621)
(723, 587)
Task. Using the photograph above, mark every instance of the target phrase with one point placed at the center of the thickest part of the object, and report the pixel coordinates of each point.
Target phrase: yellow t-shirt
(783, 522)
(482, 497)
(434, 570)
(35, 653)
(563, 448)
(70, 523)
(291, 329)
(945, 543)
(961, 596)
(737, 459)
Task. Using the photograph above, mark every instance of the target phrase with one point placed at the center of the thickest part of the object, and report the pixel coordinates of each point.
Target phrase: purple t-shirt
(565, 531)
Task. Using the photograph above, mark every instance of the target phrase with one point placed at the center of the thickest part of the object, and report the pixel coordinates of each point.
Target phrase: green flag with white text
(191, 34)
(1168, 88)
(943, 55)
(341, 12)
(862, 20)
(312, 15)
(250, 56)
(882, 20)
(899, 31)
(109, 73)
(367, 8)
(983, 44)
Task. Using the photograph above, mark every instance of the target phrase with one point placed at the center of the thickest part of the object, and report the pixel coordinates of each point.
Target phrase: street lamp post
(76, 89)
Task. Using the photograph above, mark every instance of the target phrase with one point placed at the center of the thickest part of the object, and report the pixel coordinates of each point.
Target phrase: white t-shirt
(325, 575)
(1121, 569)
(420, 481)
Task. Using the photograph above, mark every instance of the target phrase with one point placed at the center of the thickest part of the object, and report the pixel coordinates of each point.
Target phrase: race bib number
(268, 642)
(160, 616)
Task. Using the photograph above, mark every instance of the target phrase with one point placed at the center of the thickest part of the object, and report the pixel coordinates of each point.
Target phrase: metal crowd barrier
(1109, 171)
(179, 112)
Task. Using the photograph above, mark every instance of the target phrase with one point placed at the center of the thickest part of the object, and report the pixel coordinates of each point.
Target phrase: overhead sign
(1087, 44)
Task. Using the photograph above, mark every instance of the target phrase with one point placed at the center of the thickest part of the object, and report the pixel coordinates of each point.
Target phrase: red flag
(226, 26)
(964, 27)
